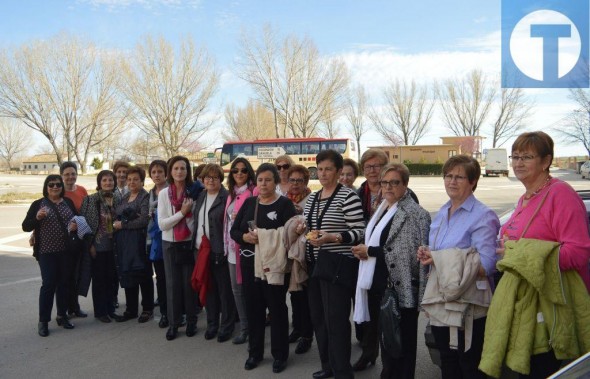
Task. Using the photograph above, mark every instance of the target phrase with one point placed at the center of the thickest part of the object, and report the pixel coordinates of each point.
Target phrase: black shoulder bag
(73, 243)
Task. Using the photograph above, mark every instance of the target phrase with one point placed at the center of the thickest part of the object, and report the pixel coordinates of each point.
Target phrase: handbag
(389, 324)
(336, 268)
(183, 253)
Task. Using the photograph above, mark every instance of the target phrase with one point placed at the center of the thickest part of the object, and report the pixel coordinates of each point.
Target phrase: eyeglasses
(211, 178)
(458, 178)
(522, 158)
(285, 166)
(54, 185)
(391, 183)
(238, 170)
(373, 167)
(296, 181)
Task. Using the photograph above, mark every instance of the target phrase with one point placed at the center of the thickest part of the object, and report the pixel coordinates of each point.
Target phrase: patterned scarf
(109, 210)
(181, 230)
(297, 198)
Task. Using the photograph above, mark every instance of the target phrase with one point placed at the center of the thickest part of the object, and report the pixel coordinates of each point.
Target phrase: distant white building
(41, 163)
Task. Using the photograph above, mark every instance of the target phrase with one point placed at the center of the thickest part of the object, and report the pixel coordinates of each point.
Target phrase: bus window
(291, 148)
(339, 146)
(244, 149)
(310, 148)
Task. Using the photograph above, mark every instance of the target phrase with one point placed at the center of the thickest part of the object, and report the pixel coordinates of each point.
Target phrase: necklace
(527, 196)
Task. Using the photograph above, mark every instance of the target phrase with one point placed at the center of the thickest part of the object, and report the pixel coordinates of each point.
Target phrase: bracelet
(338, 238)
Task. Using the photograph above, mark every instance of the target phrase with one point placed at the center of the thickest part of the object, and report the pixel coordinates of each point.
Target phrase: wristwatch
(338, 238)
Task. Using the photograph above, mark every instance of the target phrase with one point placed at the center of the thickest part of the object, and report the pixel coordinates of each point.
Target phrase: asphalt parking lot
(132, 350)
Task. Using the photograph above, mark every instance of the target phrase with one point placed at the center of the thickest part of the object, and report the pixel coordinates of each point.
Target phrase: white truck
(496, 162)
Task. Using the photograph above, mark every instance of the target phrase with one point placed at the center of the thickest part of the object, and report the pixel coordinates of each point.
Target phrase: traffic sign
(270, 152)
(210, 160)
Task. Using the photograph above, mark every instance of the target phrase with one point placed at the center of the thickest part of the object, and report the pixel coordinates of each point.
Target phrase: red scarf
(181, 230)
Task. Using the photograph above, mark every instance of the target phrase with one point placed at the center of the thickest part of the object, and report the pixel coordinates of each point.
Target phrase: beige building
(419, 153)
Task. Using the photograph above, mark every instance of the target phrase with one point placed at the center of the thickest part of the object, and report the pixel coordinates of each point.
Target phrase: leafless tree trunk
(328, 128)
(293, 81)
(169, 92)
(23, 94)
(466, 102)
(356, 114)
(407, 112)
(14, 139)
(513, 111)
(576, 128)
(251, 122)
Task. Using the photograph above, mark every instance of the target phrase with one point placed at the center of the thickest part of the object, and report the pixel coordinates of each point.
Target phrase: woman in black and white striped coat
(335, 219)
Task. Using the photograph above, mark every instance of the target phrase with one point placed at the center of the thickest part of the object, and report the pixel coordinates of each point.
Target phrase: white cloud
(114, 5)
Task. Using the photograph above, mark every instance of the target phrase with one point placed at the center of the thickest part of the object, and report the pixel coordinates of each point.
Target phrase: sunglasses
(237, 170)
(54, 185)
(283, 166)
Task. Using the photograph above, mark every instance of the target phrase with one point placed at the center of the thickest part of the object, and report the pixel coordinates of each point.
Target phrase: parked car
(585, 170)
(504, 217)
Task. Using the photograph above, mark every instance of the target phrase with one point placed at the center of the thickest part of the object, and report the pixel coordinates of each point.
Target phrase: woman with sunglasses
(283, 163)
(49, 218)
(240, 187)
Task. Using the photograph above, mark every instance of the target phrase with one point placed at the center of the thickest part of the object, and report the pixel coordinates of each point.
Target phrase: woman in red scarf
(302, 327)
(177, 225)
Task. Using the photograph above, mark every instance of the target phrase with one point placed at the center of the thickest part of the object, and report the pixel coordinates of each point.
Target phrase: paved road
(96, 350)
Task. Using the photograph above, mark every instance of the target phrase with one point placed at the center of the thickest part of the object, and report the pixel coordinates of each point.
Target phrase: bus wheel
(313, 173)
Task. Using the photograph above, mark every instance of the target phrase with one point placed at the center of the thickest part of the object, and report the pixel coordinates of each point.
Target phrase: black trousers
(103, 272)
(370, 330)
(161, 285)
(54, 283)
(330, 306)
(460, 364)
(301, 314)
(542, 366)
(147, 297)
(180, 296)
(403, 367)
(74, 268)
(220, 301)
(260, 295)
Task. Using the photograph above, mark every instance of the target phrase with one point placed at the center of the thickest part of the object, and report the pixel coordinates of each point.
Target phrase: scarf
(297, 198)
(367, 267)
(181, 230)
(109, 209)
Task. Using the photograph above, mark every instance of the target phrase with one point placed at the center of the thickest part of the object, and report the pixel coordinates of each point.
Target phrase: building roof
(41, 158)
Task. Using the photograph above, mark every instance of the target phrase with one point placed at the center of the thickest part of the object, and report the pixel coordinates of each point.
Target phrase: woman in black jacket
(49, 217)
(99, 211)
(208, 215)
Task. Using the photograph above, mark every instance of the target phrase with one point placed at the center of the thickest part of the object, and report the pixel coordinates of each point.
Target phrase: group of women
(267, 234)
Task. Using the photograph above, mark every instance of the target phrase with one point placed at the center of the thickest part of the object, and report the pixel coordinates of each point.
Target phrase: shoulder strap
(534, 214)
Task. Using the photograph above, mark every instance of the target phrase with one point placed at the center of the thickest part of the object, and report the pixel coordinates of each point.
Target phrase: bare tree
(406, 114)
(576, 128)
(169, 92)
(292, 80)
(513, 111)
(23, 94)
(329, 128)
(466, 102)
(254, 121)
(14, 139)
(356, 114)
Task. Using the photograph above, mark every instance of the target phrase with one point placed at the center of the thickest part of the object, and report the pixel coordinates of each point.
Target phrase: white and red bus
(302, 150)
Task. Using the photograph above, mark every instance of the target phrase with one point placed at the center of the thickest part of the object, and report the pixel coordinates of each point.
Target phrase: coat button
(398, 283)
(392, 265)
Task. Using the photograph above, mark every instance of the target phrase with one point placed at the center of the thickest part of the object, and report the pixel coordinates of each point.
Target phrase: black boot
(43, 329)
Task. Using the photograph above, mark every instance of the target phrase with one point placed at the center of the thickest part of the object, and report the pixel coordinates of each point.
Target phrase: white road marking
(16, 237)
(36, 279)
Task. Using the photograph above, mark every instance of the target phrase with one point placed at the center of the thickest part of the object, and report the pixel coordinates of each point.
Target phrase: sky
(422, 40)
